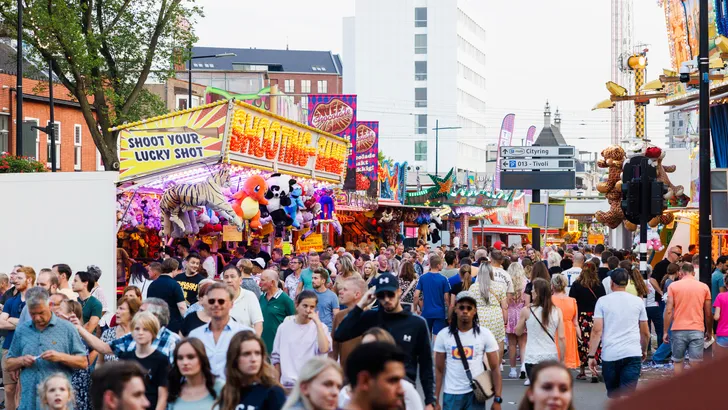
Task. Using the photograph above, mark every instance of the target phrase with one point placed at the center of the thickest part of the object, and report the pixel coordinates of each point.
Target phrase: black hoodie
(409, 331)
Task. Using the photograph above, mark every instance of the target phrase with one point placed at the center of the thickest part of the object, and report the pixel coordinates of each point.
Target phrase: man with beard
(375, 371)
(409, 331)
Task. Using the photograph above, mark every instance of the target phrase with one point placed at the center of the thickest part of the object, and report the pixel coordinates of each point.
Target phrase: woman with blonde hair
(317, 387)
(347, 271)
(412, 400)
(554, 262)
(251, 382)
(492, 300)
(569, 313)
(369, 271)
(515, 304)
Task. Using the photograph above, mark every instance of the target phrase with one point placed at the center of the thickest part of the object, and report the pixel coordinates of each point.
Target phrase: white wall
(65, 217)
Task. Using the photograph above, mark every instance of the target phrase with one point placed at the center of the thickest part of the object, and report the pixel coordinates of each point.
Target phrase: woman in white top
(544, 323)
(654, 315)
(412, 400)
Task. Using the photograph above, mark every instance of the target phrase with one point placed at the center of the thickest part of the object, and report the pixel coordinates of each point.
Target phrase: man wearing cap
(620, 324)
(477, 343)
(409, 331)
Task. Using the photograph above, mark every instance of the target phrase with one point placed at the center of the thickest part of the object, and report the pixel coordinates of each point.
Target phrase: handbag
(542, 326)
(482, 384)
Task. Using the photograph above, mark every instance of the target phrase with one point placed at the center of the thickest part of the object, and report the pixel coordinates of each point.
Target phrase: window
(77, 147)
(420, 97)
(420, 43)
(420, 150)
(290, 86)
(57, 134)
(420, 123)
(420, 16)
(4, 133)
(420, 70)
(306, 86)
(322, 86)
(99, 162)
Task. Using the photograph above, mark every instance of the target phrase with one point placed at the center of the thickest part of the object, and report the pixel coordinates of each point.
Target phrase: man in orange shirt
(688, 309)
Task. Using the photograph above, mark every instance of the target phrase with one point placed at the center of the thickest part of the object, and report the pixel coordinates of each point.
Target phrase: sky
(536, 50)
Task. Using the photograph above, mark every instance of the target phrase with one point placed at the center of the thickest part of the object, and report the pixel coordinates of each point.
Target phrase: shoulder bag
(482, 384)
(542, 326)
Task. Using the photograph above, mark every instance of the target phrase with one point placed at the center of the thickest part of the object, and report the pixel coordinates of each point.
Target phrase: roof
(8, 63)
(294, 61)
(549, 137)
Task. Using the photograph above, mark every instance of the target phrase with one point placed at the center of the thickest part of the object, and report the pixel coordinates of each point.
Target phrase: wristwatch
(591, 356)
(498, 399)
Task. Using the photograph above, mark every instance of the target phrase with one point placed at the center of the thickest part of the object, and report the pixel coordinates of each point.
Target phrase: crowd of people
(350, 328)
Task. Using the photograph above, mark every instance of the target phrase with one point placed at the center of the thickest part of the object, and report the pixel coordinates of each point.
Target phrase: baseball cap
(259, 261)
(499, 245)
(465, 295)
(386, 282)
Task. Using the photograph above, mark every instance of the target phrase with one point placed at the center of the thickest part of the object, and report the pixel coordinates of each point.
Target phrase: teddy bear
(612, 158)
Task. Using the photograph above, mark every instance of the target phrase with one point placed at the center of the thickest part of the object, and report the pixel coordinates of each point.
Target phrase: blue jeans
(664, 352)
(621, 376)
(461, 402)
(655, 317)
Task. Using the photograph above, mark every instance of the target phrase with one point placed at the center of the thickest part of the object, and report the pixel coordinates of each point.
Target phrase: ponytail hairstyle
(485, 277)
(465, 276)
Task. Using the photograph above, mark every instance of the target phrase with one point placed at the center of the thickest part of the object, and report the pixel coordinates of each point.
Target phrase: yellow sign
(231, 233)
(313, 242)
(286, 248)
(595, 239)
(171, 140)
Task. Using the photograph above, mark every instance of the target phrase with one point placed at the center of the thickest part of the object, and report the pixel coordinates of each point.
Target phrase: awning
(515, 230)
(396, 204)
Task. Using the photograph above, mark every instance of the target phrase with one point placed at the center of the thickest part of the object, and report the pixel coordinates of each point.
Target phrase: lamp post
(189, 62)
(50, 129)
(19, 86)
(437, 139)
(704, 225)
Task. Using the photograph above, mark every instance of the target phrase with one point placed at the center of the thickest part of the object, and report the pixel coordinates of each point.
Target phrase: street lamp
(437, 139)
(50, 129)
(189, 62)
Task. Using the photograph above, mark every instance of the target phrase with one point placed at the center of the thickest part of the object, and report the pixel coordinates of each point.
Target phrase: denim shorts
(687, 341)
(461, 402)
(722, 341)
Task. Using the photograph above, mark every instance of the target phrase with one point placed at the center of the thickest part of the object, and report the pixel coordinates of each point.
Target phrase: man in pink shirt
(688, 310)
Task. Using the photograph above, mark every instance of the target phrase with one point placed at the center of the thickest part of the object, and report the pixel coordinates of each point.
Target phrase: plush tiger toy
(178, 200)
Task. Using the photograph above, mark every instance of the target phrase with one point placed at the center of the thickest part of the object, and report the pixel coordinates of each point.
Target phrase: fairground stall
(226, 173)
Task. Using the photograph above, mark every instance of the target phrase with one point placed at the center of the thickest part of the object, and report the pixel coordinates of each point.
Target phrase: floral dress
(514, 310)
(81, 383)
(408, 297)
(490, 315)
(108, 336)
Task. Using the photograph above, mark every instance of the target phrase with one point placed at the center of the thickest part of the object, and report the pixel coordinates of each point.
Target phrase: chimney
(547, 115)
(557, 118)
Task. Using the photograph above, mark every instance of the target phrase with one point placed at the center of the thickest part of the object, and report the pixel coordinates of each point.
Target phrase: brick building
(297, 72)
(75, 149)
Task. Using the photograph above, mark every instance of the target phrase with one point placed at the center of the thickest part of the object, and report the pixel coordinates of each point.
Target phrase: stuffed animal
(386, 217)
(327, 204)
(248, 200)
(279, 188)
(180, 199)
(296, 205)
(434, 228)
(613, 159)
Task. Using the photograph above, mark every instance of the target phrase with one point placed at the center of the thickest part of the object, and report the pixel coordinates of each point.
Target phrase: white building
(414, 63)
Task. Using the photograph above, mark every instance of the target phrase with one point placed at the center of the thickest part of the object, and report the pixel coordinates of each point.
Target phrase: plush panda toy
(434, 228)
(278, 196)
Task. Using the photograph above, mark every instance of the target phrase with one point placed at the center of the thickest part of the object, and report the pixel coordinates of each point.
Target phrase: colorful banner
(266, 139)
(336, 114)
(367, 157)
(171, 140)
(505, 137)
(530, 135)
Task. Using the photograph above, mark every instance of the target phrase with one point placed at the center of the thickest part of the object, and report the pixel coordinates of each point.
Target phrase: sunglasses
(385, 295)
(219, 301)
(677, 253)
(465, 308)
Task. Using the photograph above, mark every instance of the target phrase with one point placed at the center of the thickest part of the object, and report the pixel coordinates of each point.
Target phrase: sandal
(581, 376)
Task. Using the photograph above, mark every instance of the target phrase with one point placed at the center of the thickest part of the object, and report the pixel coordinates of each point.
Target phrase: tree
(104, 51)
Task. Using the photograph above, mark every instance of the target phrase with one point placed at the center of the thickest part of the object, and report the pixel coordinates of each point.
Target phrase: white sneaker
(527, 383)
(501, 367)
(513, 374)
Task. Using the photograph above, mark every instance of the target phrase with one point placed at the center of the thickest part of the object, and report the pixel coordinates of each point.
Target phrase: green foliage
(104, 51)
(13, 164)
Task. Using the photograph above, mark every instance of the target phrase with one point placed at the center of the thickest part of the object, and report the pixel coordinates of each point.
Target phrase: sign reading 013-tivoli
(521, 167)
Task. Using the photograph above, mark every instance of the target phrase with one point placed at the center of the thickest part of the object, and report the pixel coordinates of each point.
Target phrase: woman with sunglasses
(192, 386)
(299, 339)
(251, 382)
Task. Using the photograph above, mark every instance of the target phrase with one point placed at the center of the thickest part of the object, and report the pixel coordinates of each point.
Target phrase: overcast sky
(536, 50)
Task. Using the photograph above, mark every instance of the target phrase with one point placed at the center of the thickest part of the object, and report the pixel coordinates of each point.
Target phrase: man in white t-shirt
(208, 262)
(246, 308)
(573, 273)
(620, 323)
(500, 274)
(477, 343)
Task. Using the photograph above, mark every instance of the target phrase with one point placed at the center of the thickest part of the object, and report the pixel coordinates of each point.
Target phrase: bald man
(275, 304)
(572, 274)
